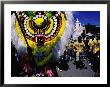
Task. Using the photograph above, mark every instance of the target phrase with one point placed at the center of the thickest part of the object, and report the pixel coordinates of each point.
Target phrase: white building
(78, 30)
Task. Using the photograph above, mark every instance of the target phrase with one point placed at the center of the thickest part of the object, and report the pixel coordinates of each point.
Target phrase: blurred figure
(65, 56)
(78, 49)
(49, 72)
(59, 54)
(90, 43)
(27, 69)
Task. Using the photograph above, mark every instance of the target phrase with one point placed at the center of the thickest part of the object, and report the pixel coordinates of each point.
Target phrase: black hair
(79, 39)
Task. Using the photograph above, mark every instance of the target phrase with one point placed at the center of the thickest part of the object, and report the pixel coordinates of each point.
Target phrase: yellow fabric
(53, 41)
(39, 21)
(49, 43)
(90, 43)
(96, 49)
(50, 27)
(79, 46)
(99, 41)
(94, 41)
(32, 30)
(28, 27)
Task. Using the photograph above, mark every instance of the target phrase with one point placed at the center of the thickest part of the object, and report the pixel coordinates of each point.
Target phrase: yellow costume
(79, 49)
(96, 47)
(90, 43)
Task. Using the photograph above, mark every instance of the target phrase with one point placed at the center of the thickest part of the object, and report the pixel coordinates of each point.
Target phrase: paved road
(73, 72)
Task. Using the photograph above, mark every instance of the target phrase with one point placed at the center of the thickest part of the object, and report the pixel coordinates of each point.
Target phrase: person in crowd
(78, 49)
(96, 56)
(90, 57)
(90, 43)
(71, 51)
(65, 54)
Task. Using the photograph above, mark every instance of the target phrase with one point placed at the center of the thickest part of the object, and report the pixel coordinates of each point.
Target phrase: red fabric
(26, 68)
(44, 39)
(50, 73)
(35, 39)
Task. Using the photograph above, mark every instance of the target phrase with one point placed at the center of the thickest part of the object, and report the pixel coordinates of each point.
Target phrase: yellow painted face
(39, 21)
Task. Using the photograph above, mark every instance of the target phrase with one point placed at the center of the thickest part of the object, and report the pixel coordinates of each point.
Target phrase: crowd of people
(87, 48)
(82, 49)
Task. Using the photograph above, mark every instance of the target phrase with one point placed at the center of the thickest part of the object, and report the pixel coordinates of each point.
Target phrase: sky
(92, 17)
